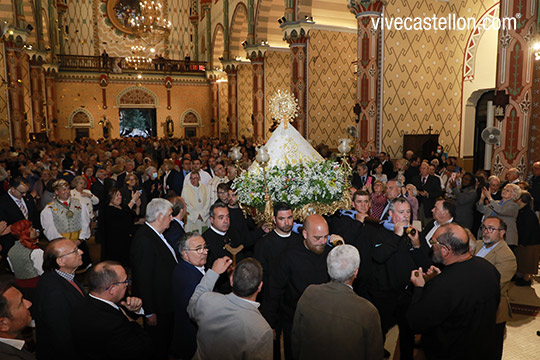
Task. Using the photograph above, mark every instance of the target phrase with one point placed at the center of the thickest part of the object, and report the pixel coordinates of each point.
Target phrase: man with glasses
(455, 311)
(494, 249)
(103, 325)
(16, 205)
(57, 293)
(186, 276)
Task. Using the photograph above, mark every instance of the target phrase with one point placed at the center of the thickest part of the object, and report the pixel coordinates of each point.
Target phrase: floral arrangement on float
(287, 168)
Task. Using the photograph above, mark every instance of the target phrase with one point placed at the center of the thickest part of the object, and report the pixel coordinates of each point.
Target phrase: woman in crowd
(151, 184)
(89, 176)
(506, 208)
(85, 197)
(25, 257)
(465, 194)
(116, 224)
(131, 186)
(528, 250)
(378, 174)
(410, 192)
(378, 199)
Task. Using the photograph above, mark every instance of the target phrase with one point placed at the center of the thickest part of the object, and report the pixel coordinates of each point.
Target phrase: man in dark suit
(444, 212)
(16, 205)
(393, 190)
(217, 236)
(98, 187)
(186, 276)
(172, 179)
(176, 229)
(57, 294)
(101, 326)
(413, 170)
(153, 261)
(388, 165)
(429, 190)
(361, 179)
(130, 169)
(14, 317)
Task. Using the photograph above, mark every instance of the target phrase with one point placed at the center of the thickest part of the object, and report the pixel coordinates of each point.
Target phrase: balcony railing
(119, 65)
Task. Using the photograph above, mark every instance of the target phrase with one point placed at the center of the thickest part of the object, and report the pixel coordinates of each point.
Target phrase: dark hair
(177, 204)
(281, 206)
(216, 205)
(359, 193)
(473, 179)
(450, 239)
(111, 193)
(502, 224)
(449, 205)
(526, 197)
(6, 282)
(224, 186)
(102, 275)
(247, 276)
(50, 256)
(182, 243)
(18, 181)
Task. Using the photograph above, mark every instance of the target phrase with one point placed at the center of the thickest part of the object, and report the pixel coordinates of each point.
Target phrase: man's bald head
(315, 233)
(455, 239)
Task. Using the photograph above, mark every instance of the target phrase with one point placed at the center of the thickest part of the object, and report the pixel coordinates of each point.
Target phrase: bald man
(460, 326)
(302, 264)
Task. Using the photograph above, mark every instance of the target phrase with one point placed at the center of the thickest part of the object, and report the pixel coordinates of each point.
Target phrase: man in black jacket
(103, 324)
(153, 261)
(429, 190)
(57, 294)
(535, 185)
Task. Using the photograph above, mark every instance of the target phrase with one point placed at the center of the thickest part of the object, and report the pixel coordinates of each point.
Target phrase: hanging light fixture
(151, 24)
(138, 57)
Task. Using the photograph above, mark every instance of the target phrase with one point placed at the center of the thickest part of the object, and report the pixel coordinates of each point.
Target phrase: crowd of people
(179, 256)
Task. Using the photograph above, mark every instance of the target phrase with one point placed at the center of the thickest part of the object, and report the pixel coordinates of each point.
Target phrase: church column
(256, 55)
(231, 68)
(213, 77)
(206, 9)
(38, 95)
(52, 122)
(368, 60)
(297, 34)
(15, 57)
(194, 19)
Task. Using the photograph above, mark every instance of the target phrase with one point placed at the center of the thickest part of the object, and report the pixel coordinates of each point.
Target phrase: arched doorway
(191, 123)
(137, 112)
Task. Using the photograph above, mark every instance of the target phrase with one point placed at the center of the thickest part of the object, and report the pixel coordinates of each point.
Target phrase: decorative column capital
(231, 65)
(296, 32)
(15, 37)
(358, 7)
(51, 70)
(214, 75)
(255, 53)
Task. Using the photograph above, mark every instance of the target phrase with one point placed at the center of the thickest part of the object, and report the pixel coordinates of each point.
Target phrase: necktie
(76, 286)
(424, 180)
(363, 179)
(23, 208)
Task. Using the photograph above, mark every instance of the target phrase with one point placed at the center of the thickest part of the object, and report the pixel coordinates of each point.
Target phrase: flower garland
(296, 185)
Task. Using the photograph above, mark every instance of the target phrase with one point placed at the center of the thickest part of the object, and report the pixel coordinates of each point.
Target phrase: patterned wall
(223, 106)
(331, 85)
(4, 113)
(179, 40)
(245, 100)
(277, 75)
(28, 8)
(422, 75)
(79, 19)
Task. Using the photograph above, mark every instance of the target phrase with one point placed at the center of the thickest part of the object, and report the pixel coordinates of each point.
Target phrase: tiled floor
(521, 341)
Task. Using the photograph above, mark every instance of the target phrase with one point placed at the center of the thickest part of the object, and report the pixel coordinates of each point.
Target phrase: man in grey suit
(331, 321)
(14, 316)
(231, 326)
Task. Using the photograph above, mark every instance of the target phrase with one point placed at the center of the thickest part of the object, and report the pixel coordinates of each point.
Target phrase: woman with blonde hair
(85, 196)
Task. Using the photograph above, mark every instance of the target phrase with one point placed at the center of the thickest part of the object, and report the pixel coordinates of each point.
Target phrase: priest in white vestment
(197, 198)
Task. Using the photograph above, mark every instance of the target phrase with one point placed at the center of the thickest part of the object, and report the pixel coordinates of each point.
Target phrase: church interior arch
(218, 46)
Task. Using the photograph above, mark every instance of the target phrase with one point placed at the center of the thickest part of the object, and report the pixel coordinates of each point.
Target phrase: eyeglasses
(199, 250)
(20, 192)
(433, 242)
(489, 229)
(71, 252)
(126, 282)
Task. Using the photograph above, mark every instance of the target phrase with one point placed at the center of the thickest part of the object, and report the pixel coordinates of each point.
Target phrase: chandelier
(151, 24)
(138, 57)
